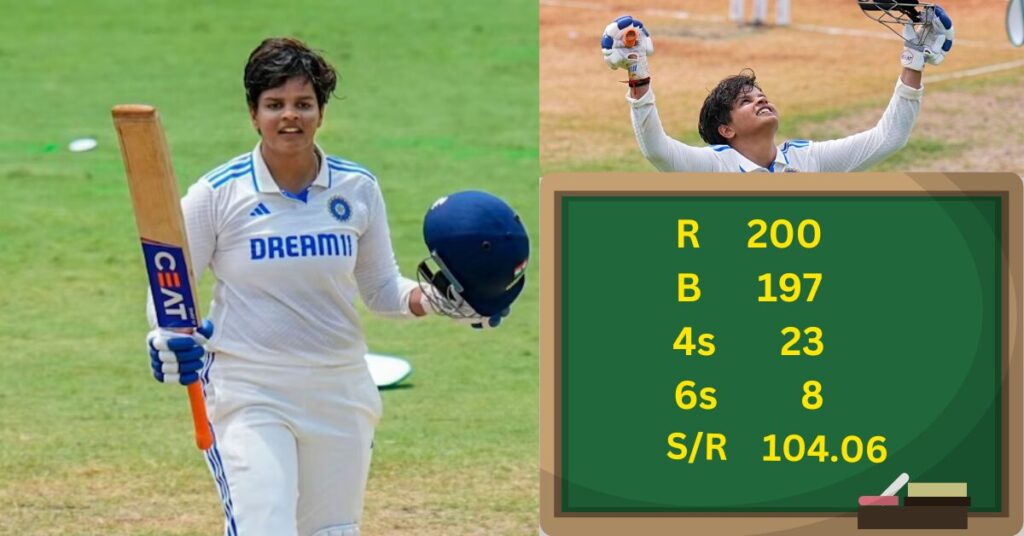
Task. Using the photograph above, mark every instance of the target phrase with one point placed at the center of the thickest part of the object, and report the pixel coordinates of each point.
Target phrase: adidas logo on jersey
(260, 210)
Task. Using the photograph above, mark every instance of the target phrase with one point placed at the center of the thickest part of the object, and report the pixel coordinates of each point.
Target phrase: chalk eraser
(878, 500)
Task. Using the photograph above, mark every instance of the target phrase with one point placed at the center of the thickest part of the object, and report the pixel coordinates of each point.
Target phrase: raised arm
(864, 149)
(626, 43)
(927, 42)
(661, 150)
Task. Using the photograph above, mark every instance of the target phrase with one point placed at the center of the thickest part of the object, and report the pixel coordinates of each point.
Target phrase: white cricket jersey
(852, 153)
(288, 269)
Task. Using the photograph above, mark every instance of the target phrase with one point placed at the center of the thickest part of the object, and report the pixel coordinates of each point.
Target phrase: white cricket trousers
(760, 11)
(292, 445)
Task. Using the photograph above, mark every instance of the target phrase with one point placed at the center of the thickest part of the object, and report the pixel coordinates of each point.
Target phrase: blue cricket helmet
(481, 249)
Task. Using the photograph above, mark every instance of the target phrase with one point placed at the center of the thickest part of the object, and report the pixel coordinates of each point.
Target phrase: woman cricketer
(291, 235)
(739, 122)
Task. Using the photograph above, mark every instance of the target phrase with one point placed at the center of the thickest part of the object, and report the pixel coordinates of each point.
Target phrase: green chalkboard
(908, 307)
(743, 354)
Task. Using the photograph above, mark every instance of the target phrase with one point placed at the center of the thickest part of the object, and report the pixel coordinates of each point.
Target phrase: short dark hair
(718, 105)
(278, 59)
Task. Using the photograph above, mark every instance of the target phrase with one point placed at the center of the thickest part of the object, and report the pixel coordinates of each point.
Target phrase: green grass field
(434, 98)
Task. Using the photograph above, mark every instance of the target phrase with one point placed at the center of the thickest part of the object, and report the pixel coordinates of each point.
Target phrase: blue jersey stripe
(228, 164)
(342, 161)
(340, 164)
(240, 173)
(345, 164)
(345, 167)
(720, 148)
(334, 161)
(793, 144)
(361, 171)
(228, 168)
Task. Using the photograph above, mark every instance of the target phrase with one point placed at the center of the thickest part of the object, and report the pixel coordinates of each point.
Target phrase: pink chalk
(878, 500)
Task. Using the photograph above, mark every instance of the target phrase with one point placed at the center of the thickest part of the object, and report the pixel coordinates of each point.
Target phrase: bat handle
(204, 437)
(630, 38)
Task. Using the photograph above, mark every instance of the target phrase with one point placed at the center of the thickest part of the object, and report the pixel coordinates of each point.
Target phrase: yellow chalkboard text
(688, 231)
(813, 347)
(812, 399)
(685, 342)
(780, 233)
(789, 287)
(687, 396)
(714, 443)
(852, 449)
(689, 291)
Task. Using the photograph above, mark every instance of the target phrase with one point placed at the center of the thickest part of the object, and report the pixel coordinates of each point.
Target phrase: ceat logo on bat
(169, 284)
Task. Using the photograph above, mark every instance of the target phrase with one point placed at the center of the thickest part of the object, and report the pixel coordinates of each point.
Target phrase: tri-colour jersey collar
(780, 164)
(264, 181)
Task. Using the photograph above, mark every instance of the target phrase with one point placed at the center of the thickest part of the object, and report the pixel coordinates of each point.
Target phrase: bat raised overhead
(155, 198)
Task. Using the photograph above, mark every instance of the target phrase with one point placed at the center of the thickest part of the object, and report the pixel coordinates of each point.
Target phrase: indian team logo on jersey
(339, 208)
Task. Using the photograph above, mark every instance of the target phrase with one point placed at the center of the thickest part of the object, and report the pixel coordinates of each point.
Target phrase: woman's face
(752, 114)
(287, 116)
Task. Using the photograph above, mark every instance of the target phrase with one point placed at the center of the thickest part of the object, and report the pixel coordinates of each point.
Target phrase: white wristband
(912, 59)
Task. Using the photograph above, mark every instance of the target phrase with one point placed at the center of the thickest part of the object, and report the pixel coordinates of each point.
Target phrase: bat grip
(204, 437)
(630, 38)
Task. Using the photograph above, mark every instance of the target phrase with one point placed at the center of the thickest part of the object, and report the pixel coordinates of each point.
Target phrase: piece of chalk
(878, 500)
(897, 484)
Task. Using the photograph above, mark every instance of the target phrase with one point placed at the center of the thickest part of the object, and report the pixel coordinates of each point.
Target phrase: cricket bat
(155, 198)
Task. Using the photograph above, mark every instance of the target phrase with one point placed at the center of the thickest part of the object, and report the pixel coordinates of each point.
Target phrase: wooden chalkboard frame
(553, 188)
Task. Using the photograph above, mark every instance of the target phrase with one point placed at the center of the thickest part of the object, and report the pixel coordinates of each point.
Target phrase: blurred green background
(433, 98)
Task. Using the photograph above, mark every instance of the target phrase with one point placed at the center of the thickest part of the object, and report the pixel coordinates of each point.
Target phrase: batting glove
(620, 56)
(481, 322)
(433, 302)
(178, 357)
(931, 43)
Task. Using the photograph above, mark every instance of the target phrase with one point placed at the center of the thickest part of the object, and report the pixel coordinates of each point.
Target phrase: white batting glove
(487, 322)
(457, 308)
(931, 43)
(620, 56)
(178, 357)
